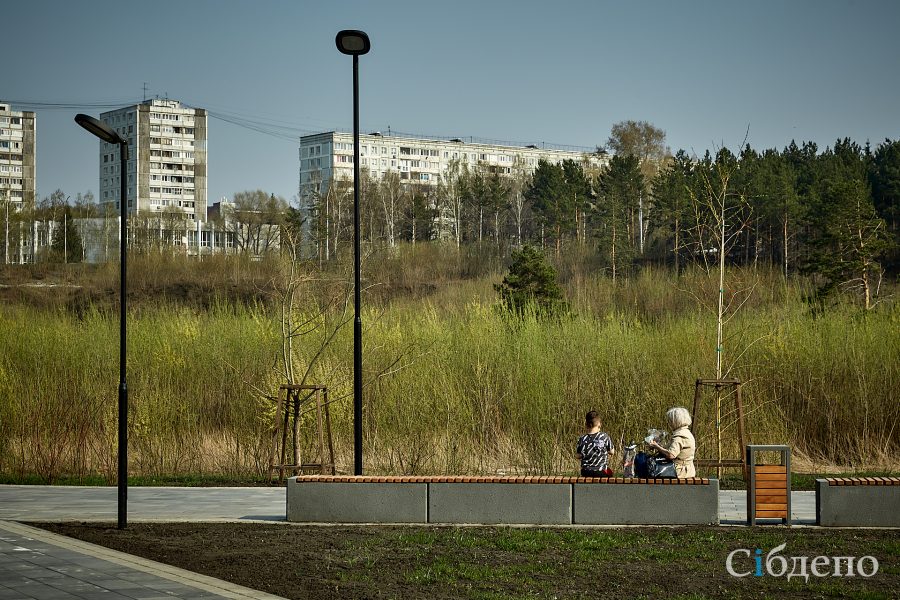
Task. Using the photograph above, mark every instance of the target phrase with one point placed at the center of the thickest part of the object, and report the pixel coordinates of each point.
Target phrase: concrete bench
(858, 502)
(502, 500)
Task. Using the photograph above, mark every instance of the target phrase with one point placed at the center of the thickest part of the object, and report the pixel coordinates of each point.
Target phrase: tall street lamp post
(355, 43)
(109, 135)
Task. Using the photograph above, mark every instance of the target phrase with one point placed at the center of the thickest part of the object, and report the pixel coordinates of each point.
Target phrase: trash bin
(769, 485)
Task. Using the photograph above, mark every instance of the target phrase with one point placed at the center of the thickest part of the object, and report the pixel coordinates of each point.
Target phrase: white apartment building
(17, 156)
(166, 162)
(324, 156)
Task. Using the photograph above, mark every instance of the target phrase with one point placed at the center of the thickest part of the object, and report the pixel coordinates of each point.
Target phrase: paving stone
(38, 565)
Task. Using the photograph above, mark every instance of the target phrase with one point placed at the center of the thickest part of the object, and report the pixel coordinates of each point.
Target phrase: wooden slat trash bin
(769, 485)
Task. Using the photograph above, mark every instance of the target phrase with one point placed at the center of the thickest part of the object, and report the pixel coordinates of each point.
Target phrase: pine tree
(620, 189)
(847, 238)
(531, 282)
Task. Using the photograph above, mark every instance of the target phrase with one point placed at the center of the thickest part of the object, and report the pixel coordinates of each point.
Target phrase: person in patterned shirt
(594, 448)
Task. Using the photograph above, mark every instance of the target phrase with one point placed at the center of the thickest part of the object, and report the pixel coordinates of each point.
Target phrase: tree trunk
(719, 323)
(480, 223)
(785, 242)
(457, 209)
(641, 222)
(867, 288)
(676, 247)
(577, 236)
(756, 243)
(613, 250)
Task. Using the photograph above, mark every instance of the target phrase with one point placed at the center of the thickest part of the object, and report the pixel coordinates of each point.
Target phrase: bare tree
(518, 184)
(255, 219)
(648, 143)
(721, 217)
(391, 195)
(451, 195)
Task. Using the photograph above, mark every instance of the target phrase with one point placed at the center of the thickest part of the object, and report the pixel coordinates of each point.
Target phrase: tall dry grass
(472, 391)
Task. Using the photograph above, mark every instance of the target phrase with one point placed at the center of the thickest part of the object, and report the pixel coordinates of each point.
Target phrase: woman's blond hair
(678, 417)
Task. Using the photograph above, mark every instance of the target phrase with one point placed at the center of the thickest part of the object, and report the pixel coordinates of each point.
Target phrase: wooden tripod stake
(719, 384)
(287, 417)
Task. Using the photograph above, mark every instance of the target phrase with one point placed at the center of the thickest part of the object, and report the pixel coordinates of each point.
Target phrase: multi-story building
(17, 156)
(327, 156)
(166, 162)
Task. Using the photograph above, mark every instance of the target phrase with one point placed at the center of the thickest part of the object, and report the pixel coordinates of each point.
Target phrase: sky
(709, 73)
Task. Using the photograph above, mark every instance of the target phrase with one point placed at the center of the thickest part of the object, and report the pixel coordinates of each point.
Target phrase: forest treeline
(831, 214)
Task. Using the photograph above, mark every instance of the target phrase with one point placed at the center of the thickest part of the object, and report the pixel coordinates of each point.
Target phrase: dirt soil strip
(341, 562)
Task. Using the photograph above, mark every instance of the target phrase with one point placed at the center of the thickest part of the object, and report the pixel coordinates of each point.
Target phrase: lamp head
(99, 129)
(352, 42)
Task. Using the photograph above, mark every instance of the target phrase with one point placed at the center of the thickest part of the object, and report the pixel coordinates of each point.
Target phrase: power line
(26, 104)
(271, 127)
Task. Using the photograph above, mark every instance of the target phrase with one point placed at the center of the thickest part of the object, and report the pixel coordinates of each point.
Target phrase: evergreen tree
(420, 214)
(885, 180)
(670, 212)
(531, 281)
(550, 200)
(781, 208)
(620, 187)
(578, 192)
(846, 238)
(498, 190)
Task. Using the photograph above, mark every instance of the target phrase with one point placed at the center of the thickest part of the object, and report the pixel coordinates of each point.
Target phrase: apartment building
(327, 156)
(167, 164)
(17, 156)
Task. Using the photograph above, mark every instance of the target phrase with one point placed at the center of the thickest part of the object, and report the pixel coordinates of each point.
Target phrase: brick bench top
(863, 481)
(495, 479)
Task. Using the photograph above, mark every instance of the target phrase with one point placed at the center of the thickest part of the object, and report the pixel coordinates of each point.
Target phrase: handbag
(652, 467)
(660, 467)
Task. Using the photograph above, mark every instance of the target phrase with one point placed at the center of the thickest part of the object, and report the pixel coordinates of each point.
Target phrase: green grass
(541, 563)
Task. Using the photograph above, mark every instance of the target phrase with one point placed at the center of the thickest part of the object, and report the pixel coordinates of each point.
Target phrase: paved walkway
(75, 503)
(39, 565)
(36, 564)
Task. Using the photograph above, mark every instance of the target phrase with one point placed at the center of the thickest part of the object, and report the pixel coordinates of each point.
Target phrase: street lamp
(355, 43)
(109, 135)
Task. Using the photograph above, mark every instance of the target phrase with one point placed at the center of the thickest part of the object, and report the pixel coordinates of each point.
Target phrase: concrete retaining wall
(857, 505)
(313, 502)
(556, 501)
(646, 504)
(500, 503)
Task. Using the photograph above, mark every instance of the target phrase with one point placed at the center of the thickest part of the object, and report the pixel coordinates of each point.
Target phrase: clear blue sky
(524, 70)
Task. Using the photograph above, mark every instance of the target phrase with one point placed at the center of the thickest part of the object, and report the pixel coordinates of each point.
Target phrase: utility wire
(71, 105)
(277, 128)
